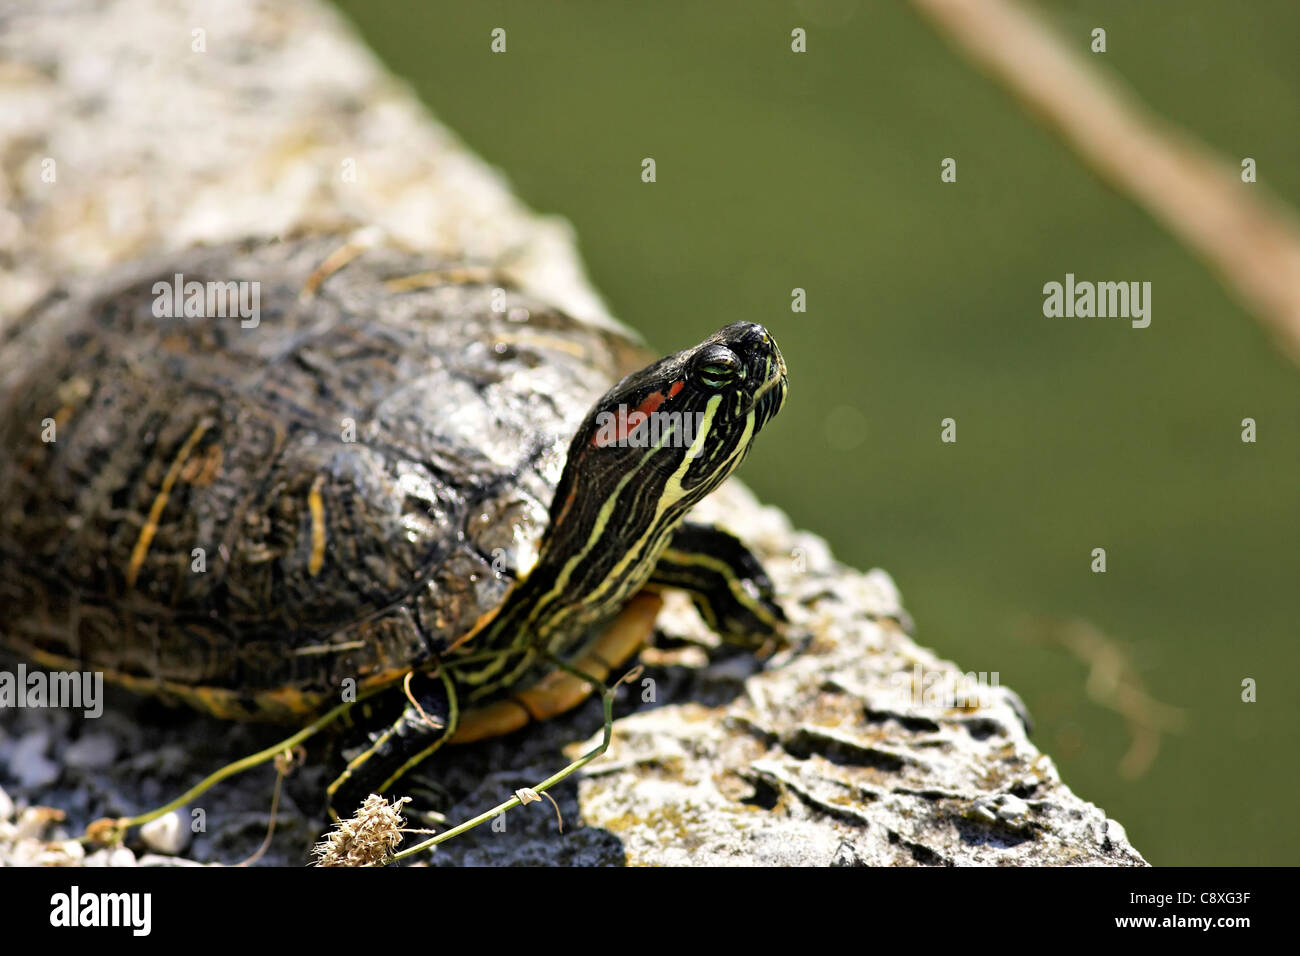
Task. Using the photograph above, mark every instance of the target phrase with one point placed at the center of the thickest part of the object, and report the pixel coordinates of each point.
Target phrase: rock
(61, 853)
(154, 859)
(168, 834)
(91, 751)
(111, 856)
(28, 763)
(1004, 808)
(33, 822)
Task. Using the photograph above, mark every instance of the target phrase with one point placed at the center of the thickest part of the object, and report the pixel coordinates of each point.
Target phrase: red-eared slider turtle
(240, 480)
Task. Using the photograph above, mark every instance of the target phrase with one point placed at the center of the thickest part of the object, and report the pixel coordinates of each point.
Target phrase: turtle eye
(717, 367)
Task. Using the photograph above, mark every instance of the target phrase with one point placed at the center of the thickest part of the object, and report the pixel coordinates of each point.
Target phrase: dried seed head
(366, 839)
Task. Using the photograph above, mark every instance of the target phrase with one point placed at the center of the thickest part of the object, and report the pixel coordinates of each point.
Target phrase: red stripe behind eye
(655, 399)
(649, 405)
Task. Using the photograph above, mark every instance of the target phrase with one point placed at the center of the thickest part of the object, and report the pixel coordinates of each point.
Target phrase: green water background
(821, 171)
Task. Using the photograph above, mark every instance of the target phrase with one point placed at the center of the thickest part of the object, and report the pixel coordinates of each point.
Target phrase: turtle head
(649, 449)
(666, 436)
(653, 446)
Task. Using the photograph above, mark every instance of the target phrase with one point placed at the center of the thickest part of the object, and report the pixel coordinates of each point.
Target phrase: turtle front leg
(725, 581)
(427, 719)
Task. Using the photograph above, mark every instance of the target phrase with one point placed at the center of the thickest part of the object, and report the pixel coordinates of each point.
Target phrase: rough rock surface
(834, 755)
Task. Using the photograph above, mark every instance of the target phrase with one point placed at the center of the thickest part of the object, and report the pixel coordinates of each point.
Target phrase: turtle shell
(246, 510)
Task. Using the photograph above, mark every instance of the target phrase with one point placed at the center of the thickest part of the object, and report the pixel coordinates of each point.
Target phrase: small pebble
(1004, 808)
(168, 834)
(65, 853)
(121, 856)
(1011, 808)
(29, 764)
(35, 821)
(115, 856)
(91, 751)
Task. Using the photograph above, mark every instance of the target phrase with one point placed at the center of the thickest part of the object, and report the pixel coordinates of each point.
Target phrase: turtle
(258, 477)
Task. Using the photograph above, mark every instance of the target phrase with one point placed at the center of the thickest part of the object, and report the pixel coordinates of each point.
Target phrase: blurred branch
(1252, 244)
(1114, 683)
